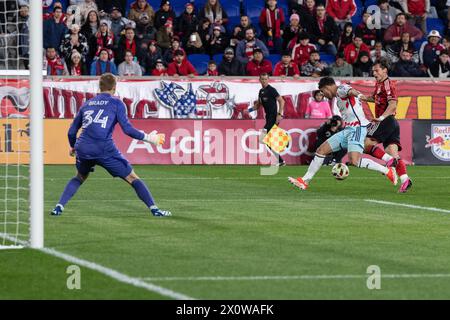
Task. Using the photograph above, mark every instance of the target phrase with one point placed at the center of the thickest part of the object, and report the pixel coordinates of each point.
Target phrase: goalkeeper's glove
(155, 138)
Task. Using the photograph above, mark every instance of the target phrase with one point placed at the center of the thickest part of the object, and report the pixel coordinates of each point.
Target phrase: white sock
(387, 157)
(372, 165)
(314, 166)
(403, 178)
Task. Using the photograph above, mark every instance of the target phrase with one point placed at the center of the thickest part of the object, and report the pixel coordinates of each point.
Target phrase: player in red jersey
(385, 128)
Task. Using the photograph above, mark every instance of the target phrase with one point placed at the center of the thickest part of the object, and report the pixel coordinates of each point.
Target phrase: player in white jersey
(351, 138)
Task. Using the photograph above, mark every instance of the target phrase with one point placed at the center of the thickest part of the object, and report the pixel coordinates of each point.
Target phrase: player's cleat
(299, 183)
(160, 213)
(405, 186)
(282, 163)
(57, 211)
(392, 163)
(392, 176)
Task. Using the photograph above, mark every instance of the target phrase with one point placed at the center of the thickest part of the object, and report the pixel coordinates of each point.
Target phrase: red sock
(377, 152)
(401, 167)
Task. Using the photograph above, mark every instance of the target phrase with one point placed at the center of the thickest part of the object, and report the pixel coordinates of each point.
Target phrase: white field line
(296, 277)
(208, 200)
(388, 203)
(116, 275)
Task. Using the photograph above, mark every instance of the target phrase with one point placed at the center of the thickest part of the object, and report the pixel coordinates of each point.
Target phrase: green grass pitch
(236, 234)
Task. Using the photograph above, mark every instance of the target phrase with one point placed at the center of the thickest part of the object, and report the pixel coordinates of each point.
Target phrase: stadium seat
(435, 24)
(328, 58)
(232, 10)
(254, 11)
(218, 58)
(274, 58)
(200, 62)
(255, 24)
(369, 3)
(233, 22)
(356, 19)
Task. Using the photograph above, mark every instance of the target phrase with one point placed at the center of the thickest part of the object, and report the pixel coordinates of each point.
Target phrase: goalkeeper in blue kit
(95, 146)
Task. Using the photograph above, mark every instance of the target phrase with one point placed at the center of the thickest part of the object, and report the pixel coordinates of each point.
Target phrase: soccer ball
(340, 171)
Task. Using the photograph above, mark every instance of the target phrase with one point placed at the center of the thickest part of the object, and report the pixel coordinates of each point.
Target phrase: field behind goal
(237, 235)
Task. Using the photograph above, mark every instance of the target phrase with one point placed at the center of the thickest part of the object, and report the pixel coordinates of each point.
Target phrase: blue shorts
(117, 166)
(351, 138)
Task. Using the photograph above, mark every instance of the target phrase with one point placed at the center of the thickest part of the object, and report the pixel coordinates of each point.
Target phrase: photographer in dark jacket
(326, 130)
(230, 66)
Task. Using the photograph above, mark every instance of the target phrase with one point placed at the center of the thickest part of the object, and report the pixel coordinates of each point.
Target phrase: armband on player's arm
(154, 138)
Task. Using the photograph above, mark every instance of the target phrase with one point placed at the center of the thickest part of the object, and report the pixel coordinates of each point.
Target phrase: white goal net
(15, 120)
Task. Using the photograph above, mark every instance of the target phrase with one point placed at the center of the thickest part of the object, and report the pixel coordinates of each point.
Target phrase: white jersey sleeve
(342, 91)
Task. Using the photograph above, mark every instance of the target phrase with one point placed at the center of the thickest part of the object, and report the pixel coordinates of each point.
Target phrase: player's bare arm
(390, 110)
(280, 109)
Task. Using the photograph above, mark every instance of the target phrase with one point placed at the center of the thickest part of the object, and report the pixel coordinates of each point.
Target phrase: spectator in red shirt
(401, 25)
(258, 65)
(352, 51)
(286, 67)
(160, 69)
(272, 21)
(212, 69)
(418, 10)
(301, 51)
(181, 66)
(341, 11)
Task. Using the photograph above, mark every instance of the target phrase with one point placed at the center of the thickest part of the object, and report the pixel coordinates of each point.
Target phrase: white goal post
(21, 141)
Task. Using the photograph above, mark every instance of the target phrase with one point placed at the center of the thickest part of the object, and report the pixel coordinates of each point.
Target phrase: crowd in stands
(286, 38)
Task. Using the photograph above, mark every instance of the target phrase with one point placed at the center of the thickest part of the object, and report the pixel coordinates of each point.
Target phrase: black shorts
(270, 122)
(386, 132)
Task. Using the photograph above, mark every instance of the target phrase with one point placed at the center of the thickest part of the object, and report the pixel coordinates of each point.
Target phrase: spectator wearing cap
(340, 68)
(55, 64)
(74, 40)
(139, 8)
(128, 41)
(401, 25)
(187, 23)
(406, 67)
(351, 52)
(230, 66)
(103, 39)
(181, 66)
(103, 64)
(152, 54)
(404, 44)
(292, 31)
(54, 29)
(164, 36)
(159, 69)
(341, 11)
(418, 9)
(91, 24)
(214, 12)
(325, 31)
(429, 50)
(194, 44)
(144, 29)
(240, 29)
(212, 69)
(368, 34)
(258, 65)
(86, 7)
(346, 37)
(302, 50)
(76, 66)
(244, 49)
(218, 42)
(169, 55)
(441, 67)
(363, 66)
(272, 22)
(129, 68)
(118, 24)
(286, 67)
(315, 67)
(164, 14)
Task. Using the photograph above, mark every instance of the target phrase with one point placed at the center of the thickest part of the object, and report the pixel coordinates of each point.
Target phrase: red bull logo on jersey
(439, 142)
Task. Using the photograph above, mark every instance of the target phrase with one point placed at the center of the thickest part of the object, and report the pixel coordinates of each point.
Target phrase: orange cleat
(392, 176)
(299, 183)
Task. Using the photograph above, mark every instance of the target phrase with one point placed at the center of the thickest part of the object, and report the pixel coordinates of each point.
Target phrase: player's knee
(82, 178)
(131, 177)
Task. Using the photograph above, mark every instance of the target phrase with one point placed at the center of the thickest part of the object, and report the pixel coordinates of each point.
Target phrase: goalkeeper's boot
(405, 185)
(392, 176)
(156, 212)
(299, 183)
(57, 211)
